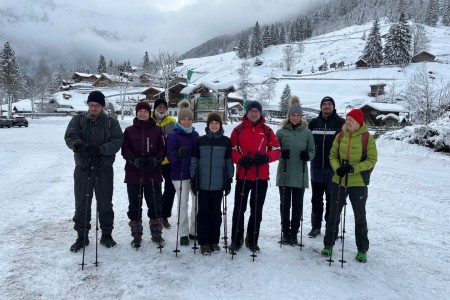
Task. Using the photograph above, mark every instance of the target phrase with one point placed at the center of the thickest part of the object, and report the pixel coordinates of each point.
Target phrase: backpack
(365, 140)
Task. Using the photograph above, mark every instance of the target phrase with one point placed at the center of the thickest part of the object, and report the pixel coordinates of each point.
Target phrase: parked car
(5, 122)
(20, 121)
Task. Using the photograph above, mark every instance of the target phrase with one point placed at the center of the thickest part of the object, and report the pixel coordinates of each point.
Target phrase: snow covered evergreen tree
(146, 63)
(432, 13)
(267, 38)
(373, 50)
(446, 17)
(110, 67)
(101, 66)
(256, 45)
(282, 36)
(242, 51)
(274, 34)
(11, 77)
(284, 101)
(397, 49)
(43, 84)
(56, 81)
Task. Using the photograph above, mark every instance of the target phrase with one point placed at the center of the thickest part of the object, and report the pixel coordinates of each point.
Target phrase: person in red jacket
(143, 150)
(254, 147)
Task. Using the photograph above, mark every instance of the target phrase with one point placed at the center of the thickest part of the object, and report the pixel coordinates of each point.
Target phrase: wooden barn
(333, 65)
(381, 114)
(377, 89)
(361, 63)
(422, 57)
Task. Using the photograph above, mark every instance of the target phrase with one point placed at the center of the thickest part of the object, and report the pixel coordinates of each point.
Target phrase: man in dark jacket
(324, 129)
(95, 138)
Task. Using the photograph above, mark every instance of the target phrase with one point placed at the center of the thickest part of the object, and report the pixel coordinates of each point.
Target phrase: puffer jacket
(167, 124)
(296, 140)
(247, 140)
(211, 158)
(351, 149)
(143, 139)
(175, 140)
(324, 131)
(103, 131)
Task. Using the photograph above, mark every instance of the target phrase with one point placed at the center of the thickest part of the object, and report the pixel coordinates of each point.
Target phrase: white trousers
(185, 228)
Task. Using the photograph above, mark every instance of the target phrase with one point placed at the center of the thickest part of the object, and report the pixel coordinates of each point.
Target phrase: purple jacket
(143, 139)
(176, 139)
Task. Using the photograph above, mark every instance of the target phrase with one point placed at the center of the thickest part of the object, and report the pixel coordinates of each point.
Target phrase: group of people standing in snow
(159, 149)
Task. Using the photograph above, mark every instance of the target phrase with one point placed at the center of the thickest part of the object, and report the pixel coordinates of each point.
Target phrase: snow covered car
(20, 121)
(5, 122)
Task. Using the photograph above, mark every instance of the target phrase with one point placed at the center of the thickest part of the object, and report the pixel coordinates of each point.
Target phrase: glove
(152, 162)
(286, 154)
(304, 155)
(246, 163)
(93, 149)
(260, 160)
(140, 162)
(344, 169)
(194, 186)
(228, 186)
(181, 152)
(79, 147)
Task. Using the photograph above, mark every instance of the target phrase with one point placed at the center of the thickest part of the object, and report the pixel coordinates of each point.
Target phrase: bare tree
(244, 79)
(419, 39)
(427, 96)
(267, 92)
(292, 54)
(165, 63)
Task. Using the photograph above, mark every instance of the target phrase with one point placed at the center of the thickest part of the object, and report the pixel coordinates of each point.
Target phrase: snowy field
(408, 213)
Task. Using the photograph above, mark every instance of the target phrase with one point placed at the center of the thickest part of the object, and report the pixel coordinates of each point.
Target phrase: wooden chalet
(377, 89)
(108, 80)
(151, 92)
(84, 77)
(423, 57)
(381, 114)
(175, 93)
(361, 63)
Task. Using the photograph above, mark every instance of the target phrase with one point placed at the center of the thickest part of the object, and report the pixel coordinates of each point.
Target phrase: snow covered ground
(407, 211)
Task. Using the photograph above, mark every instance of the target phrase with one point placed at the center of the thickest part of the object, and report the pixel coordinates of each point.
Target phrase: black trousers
(291, 196)
(318, 189)
(258, 189)
(169, 193)
(86, 182)
(152, 195)
(209, 217)
(358, 197)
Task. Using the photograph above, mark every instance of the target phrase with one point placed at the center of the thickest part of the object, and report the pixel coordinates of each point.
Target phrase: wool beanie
(185, 111)
(253, 104)
(213, 117)
(158, 102)
(295, 107)
(357, 114)
(96, 96)
(327, 98)
(143, 105)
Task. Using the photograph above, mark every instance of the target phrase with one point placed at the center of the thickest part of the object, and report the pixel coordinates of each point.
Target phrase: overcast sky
(122, 31)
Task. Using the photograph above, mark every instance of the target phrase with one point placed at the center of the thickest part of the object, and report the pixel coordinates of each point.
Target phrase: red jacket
(247, 139)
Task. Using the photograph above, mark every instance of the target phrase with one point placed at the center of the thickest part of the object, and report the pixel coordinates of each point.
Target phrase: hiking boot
(79, 244)
(192, 237)
(136, 242)
(136, 228)
(326, 251)
(215, 248)
(286, 239)
(166, 223)
(205, 249)
(293, 240)
(184, 241)
(253, 248)
(158, 239)
(107, 241)
(361, 256)
(314, 232)
(234, 247)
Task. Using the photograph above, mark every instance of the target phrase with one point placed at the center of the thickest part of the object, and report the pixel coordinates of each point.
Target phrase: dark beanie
(327, 98)
(158, 102)
(213, 117)
(96, 96)
(143, 105)
(253, 104)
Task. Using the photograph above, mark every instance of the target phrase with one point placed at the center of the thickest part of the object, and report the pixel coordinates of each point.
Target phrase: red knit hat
(143, 105)
(357, 114)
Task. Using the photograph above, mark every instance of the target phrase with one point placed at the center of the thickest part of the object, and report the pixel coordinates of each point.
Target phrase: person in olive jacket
(297, 148)
(211, 175)
(143, 149)
(350, 167)
(95, 137)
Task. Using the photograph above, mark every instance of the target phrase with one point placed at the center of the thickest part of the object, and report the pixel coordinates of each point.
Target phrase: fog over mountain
(78, 32)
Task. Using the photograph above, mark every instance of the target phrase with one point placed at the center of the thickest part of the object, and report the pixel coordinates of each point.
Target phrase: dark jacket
(103, 131)
(143, 139)
(324, 130)
(211, 158)
(175, 140)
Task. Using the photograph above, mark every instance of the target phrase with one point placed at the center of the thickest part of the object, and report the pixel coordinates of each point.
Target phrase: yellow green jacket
(351, 149)
(167, 124)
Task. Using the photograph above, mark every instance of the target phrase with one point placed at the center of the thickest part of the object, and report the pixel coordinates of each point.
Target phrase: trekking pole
(233, 251)
(97, 191)
(283, 197)
(301, 216)
(330, 260)
(345, 162)
(195, 220)
(160, 244)
(179, 204)
(225, 230)
(88, 200)
(253, 255)
(141, 182)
